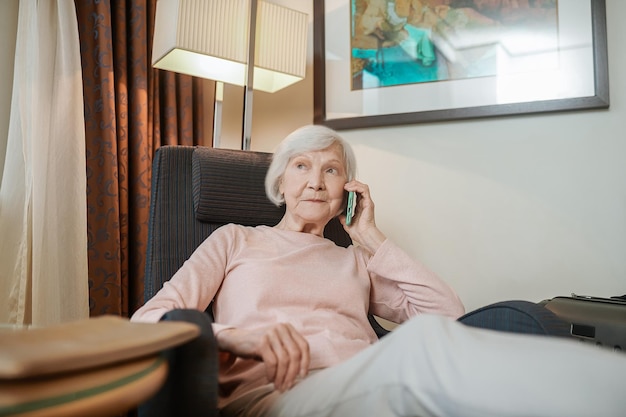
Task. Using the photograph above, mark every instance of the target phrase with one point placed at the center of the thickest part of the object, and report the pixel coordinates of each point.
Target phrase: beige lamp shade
(208, 39)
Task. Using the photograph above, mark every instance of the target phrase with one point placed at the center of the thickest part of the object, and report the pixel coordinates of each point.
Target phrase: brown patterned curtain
(130, 110)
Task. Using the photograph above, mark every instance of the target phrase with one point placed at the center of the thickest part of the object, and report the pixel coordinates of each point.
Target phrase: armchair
(195, 190)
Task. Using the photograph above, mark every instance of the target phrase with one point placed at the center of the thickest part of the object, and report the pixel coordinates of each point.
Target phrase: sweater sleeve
(197, 281)
(402, 287)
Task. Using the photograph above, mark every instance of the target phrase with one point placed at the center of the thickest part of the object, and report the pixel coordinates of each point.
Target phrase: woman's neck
(302, 227)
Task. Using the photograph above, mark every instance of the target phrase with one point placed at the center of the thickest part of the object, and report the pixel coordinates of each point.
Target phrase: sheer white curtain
(43, 219)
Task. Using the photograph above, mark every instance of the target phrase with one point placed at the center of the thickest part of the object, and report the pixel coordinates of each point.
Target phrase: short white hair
(305, 139)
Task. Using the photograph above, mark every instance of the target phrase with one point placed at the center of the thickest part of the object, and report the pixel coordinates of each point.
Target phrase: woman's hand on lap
(283, 350)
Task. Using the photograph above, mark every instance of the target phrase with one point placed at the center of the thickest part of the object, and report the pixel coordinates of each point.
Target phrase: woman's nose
(316, 180)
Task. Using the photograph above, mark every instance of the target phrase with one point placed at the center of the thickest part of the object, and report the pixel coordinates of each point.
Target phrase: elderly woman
(291, 311)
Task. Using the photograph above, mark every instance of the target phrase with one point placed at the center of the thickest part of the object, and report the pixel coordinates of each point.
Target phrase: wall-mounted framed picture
(394, 62)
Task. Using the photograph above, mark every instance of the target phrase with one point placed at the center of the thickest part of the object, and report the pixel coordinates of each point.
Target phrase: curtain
(130, 110)
(43, 249)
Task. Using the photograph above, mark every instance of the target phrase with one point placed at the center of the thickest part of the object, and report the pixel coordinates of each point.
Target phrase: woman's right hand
(363, 229)
(283, 350)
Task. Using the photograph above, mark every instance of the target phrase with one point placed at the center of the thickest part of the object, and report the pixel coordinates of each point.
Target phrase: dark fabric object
(229, 187)
(335, 232)
(191, 386)
(173, 230)
(380, 330)
(518, 316)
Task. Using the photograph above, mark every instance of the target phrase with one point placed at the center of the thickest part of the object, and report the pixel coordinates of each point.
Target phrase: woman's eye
(331, 170)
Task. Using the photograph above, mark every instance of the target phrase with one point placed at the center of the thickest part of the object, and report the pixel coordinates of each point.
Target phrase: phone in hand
(350, 207)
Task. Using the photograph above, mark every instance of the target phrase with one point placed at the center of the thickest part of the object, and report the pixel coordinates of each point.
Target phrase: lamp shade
(209, 39)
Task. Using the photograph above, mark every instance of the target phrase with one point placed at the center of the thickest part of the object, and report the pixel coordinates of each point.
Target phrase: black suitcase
(601, 321)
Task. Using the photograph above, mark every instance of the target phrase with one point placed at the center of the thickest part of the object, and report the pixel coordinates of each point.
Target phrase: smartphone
(350, 207)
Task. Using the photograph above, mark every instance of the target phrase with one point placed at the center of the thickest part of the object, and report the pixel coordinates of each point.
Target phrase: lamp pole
(246, 132)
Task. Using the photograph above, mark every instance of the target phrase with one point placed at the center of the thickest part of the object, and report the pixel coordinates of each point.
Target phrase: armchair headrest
(229, 187)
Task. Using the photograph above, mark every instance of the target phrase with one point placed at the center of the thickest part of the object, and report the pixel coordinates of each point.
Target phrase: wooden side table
(106, 391)
(96, 367)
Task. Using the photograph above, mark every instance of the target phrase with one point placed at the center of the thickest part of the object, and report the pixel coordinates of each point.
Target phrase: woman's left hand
(363, 229)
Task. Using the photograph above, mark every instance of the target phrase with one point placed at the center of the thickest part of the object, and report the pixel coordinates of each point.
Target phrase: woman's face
(313, 186)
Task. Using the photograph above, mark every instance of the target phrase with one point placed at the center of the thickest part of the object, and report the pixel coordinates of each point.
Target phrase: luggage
(601, 321)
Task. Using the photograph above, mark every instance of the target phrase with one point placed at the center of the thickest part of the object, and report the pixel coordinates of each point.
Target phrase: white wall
(523, 207)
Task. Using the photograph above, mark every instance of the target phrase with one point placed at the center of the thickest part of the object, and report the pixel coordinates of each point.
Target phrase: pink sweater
(263, 275)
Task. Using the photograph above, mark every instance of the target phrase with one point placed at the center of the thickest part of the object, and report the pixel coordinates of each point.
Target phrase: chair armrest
(191, 385)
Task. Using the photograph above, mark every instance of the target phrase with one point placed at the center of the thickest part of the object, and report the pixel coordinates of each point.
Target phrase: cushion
(229, 187)
(517, 316)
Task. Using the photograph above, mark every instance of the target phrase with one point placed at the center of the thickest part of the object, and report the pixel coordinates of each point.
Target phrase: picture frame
(578, 81)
